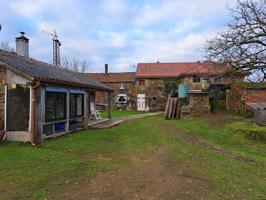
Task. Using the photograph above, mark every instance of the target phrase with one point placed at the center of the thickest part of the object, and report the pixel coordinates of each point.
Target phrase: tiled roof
(121, 77)
(164, 70)
(44, 72)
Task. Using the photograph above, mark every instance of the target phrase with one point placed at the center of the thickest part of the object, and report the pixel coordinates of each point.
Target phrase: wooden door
(141, 102)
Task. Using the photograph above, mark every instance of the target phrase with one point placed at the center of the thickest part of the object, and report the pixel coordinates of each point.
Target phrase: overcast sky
(118, 32)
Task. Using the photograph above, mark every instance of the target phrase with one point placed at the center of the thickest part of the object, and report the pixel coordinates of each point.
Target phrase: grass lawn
(141, 159)
(120, 113)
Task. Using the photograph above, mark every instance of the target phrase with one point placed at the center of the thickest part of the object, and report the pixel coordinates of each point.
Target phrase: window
(196, 79)
(76, 105)
(55, 106)
(218, 79)
(141, 82)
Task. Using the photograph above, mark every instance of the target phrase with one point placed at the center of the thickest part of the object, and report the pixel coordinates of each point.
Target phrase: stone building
(240, 95)
(123, 85)
(199, 76)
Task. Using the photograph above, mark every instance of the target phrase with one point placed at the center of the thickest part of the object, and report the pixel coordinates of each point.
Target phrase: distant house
(39, 100)
(197, 76)
(123, 84)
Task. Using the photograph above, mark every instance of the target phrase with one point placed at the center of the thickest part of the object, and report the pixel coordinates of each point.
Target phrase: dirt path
(197, 141)
(150, 176)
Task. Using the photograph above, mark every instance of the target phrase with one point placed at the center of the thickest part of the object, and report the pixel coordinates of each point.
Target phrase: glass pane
(79, 105)
(72, 106)
(48, 129)
(60, 105)
(49, 107)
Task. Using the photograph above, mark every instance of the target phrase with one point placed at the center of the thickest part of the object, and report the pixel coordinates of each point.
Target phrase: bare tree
(243, 45)
(5, 46)
(74, 64)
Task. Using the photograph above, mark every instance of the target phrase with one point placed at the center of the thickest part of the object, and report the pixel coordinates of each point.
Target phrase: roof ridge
(185, 62)
(109, 73)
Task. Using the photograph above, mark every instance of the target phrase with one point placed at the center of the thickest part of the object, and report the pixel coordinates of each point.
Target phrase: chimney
(22, 45)
(106, 69)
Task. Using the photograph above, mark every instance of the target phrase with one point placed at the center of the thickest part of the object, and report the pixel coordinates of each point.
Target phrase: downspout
(33, 105)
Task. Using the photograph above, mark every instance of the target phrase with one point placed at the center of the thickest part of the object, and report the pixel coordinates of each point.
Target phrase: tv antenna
(56, 46)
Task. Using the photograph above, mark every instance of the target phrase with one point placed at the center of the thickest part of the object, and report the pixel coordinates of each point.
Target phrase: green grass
(35, 173)
(230, 136)
(120, 113)
(43, 172)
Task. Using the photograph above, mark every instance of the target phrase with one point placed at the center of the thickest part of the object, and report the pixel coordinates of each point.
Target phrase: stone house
(123, 85)
(39, 100)
(199, 76)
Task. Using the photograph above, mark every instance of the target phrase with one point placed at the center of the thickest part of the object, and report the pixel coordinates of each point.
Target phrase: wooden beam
(109, 104)
(86, 109)
(67, 110)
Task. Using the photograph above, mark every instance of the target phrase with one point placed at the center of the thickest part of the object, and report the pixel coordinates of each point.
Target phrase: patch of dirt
(195, 140)
(150, 177)
(219, 119)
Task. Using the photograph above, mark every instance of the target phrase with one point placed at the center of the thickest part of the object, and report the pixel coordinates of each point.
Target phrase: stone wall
(199, 104)
(236, 97)
(129, 89)
(153, 90)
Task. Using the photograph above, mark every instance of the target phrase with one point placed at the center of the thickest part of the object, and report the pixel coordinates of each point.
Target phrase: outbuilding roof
(40, 71)
(119, 77)
(166, 70)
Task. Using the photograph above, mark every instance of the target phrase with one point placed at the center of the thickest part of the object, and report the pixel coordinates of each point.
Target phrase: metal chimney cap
(22, 37)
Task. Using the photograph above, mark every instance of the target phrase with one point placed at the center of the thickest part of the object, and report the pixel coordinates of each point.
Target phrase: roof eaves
(17, 71)
(45, 80)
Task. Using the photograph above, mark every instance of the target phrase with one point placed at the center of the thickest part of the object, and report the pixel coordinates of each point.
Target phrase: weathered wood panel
(18, 108)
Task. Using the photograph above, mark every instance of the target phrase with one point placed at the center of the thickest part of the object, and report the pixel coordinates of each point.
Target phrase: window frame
(54, 106)
(196, 78)
(142, 82)
(76, 95)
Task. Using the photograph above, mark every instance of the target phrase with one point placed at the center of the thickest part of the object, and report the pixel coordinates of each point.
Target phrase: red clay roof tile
(164, 70)
(121, 77)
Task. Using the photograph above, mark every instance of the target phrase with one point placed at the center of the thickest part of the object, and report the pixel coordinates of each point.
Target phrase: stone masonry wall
(199, 104)
(236, 94)
(129, 89)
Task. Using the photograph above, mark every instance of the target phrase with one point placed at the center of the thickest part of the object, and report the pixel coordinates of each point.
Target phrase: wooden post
(67, 110)
(86, 110)
(38, 96)
(5, 122)
(109, 104)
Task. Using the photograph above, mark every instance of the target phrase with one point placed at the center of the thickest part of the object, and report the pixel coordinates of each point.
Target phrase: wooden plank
(109, 105)
(67, 110)
(174, 108)
(167, 107)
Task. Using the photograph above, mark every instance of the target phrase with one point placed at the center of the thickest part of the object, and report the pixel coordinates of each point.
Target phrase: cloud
(121, 33)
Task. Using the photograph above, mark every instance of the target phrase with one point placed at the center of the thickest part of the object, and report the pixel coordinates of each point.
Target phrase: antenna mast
(56, 47)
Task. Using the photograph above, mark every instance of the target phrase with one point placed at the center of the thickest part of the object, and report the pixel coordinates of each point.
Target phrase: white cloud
(119, 32)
